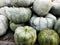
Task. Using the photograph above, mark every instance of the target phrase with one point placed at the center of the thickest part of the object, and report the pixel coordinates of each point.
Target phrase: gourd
(57, 26)
(48, 37)
(40, 23)
(25, 35)
(42, 7)
(3, 24)
(55, 9)
(16, 15)
(16, 3)
(13, 26)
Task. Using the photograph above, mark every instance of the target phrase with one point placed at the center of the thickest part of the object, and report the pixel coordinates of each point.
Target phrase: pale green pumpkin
(25, 35)
(57, 26)
(48, 37)
(3, 24)
(16, 15)
(13, 26)
(24, 3)
(40, 23)
(42, 7)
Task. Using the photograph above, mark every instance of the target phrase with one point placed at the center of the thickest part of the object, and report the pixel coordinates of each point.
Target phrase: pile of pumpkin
(31, 20)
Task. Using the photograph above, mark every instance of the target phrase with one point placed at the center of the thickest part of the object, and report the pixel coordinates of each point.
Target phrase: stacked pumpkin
(40, 16)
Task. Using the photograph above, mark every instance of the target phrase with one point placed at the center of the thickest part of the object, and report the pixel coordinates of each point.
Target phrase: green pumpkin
(24, 3)
(55, 9)
(57, 26)
(48, 37)
(16, 15)
(13, 26)
(40, 23)
(3, 24)
(25, 35)
(42, 7)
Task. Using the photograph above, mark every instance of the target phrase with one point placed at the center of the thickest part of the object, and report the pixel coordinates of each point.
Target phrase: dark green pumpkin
(48, 37)
(55, 9)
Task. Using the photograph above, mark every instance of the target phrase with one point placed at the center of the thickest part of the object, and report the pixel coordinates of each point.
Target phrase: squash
(17, 3)
(55, 10)
(40, 23)
(13, 26)
(57, 26)
(3, 24)
(25, 35)
(42, 7)
(16, 15)
(48, 37)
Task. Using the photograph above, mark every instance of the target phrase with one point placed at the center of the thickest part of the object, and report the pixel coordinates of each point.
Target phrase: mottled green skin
(48, 37)
(16, 15)
(55, 9)
(57, 26)
(25, 35)
(13, 26)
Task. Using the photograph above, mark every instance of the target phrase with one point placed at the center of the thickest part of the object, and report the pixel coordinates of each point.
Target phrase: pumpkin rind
(25, 35)
(57, 26)
(24, 3)
(40, 23)
(42, 7)
(16, 15)
(3, 25)
(48, 37)
(55, 9)
(13, 26)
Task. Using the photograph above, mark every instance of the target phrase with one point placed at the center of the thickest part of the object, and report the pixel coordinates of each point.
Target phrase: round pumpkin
(42, 7)
(25, 35)
(40, 23)
(48, 37)
(57, 26)
(3, 25)
(55, 9)
(13, 26)
(16, 15)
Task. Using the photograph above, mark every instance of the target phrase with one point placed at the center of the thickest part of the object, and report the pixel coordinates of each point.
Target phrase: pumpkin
(25, 35)
(13, 26)
(55, 9)
(3, 25)
(57, 26)
(48, 37)
(42, 7)
(40, 23)
(16, 3)
(16, 15)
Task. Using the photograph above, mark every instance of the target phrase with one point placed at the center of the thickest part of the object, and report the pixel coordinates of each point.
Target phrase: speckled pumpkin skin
(25, 35)
(48, 37)
(16, 15)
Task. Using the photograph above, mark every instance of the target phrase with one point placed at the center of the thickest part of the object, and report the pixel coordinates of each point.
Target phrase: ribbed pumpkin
(40, 23)
(13, 26)
(57, 26)
(48, 37)
(3, 24)
(25, 35)
(16, 15)
(42, 7)
(55, 9)
(16, 3)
